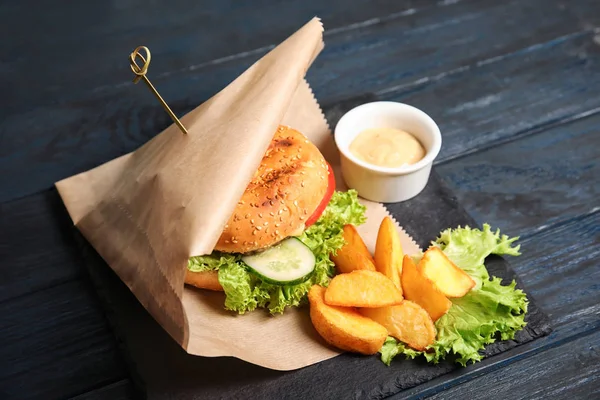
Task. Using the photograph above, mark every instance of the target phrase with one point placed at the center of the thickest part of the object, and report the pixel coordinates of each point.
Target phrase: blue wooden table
(514, 86)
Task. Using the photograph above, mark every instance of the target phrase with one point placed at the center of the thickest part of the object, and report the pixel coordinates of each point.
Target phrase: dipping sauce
(387, 147)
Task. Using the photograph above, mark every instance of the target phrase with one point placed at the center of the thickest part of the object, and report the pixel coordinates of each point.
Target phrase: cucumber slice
(288, 262)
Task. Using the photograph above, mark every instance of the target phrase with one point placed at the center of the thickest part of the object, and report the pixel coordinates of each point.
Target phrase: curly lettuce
(244, 291)
(489, 311)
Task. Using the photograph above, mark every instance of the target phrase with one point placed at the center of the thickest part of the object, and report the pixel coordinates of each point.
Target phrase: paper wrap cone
(148, 211)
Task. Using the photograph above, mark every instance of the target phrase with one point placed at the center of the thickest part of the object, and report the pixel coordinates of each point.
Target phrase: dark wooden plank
(559, 268)
(491, 103)
(36, 249)
(427, 45)
(121, 390)
(541, 179)
(571, 370)
(56, 343)
(85, 46)
(111, 122)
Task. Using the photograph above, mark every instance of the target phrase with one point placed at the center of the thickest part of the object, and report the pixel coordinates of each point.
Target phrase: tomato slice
(330, 189)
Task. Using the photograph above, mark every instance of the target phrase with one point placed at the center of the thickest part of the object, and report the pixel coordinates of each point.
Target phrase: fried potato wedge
(354, 255)
(362, 288)
(343, 327)
(350, 259)
(352, 237)
(407, 322)
(449, 279)
(419, 289)
(388, 251)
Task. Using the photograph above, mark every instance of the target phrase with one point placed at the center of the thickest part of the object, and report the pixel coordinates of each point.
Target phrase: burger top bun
(286, 189)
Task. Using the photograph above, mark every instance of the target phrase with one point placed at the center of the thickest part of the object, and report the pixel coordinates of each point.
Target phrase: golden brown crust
(286, 189)
(204, 280)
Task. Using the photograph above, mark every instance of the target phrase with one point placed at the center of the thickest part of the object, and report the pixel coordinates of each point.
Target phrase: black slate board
(162, 370)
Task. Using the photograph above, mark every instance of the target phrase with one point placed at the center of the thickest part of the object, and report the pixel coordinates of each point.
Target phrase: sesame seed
(267, 230)
(302, 218)
(247, 216)
(296, 203)
(252, 221)
(234, 241)
(226, 241)
(233, 238)
(302, 184)
(260, 215)
(258, 228)
(272, 214)
(280, 212)
(226, 226)
(276, 232)
(254, 232)
(277, 224)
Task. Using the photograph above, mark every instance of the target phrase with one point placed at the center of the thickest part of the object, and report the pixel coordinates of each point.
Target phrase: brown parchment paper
(148, 211)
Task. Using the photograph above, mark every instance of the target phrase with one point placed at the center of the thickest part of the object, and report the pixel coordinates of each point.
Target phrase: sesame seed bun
(286, 189)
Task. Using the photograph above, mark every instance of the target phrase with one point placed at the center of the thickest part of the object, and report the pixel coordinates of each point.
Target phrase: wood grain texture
(107, 123)
(55, 344)
(39, 251)
(89, 42)
(427, 45)
(522, 185)
(571, 370)
(120, 390)
(530, 90)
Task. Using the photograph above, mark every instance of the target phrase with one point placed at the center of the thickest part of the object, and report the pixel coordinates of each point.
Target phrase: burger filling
(245, 289)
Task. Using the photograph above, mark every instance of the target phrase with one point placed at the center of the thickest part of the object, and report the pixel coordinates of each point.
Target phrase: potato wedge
(352, 237)
(350, 259)
(343, 327)
(362, 288)
(419, 289)
(354, 255)
(388, 251)
(447, 277)
(407, 322)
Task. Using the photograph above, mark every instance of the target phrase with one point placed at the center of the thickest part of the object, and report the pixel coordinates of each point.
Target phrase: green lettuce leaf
(244, 291)
(487, 312)
(211, 262)
(468, 249)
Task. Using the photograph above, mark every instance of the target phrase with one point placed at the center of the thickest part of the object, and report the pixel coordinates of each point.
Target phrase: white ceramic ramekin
(383, 184)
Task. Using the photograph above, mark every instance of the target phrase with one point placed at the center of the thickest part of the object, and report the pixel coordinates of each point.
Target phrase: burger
(279, 239)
